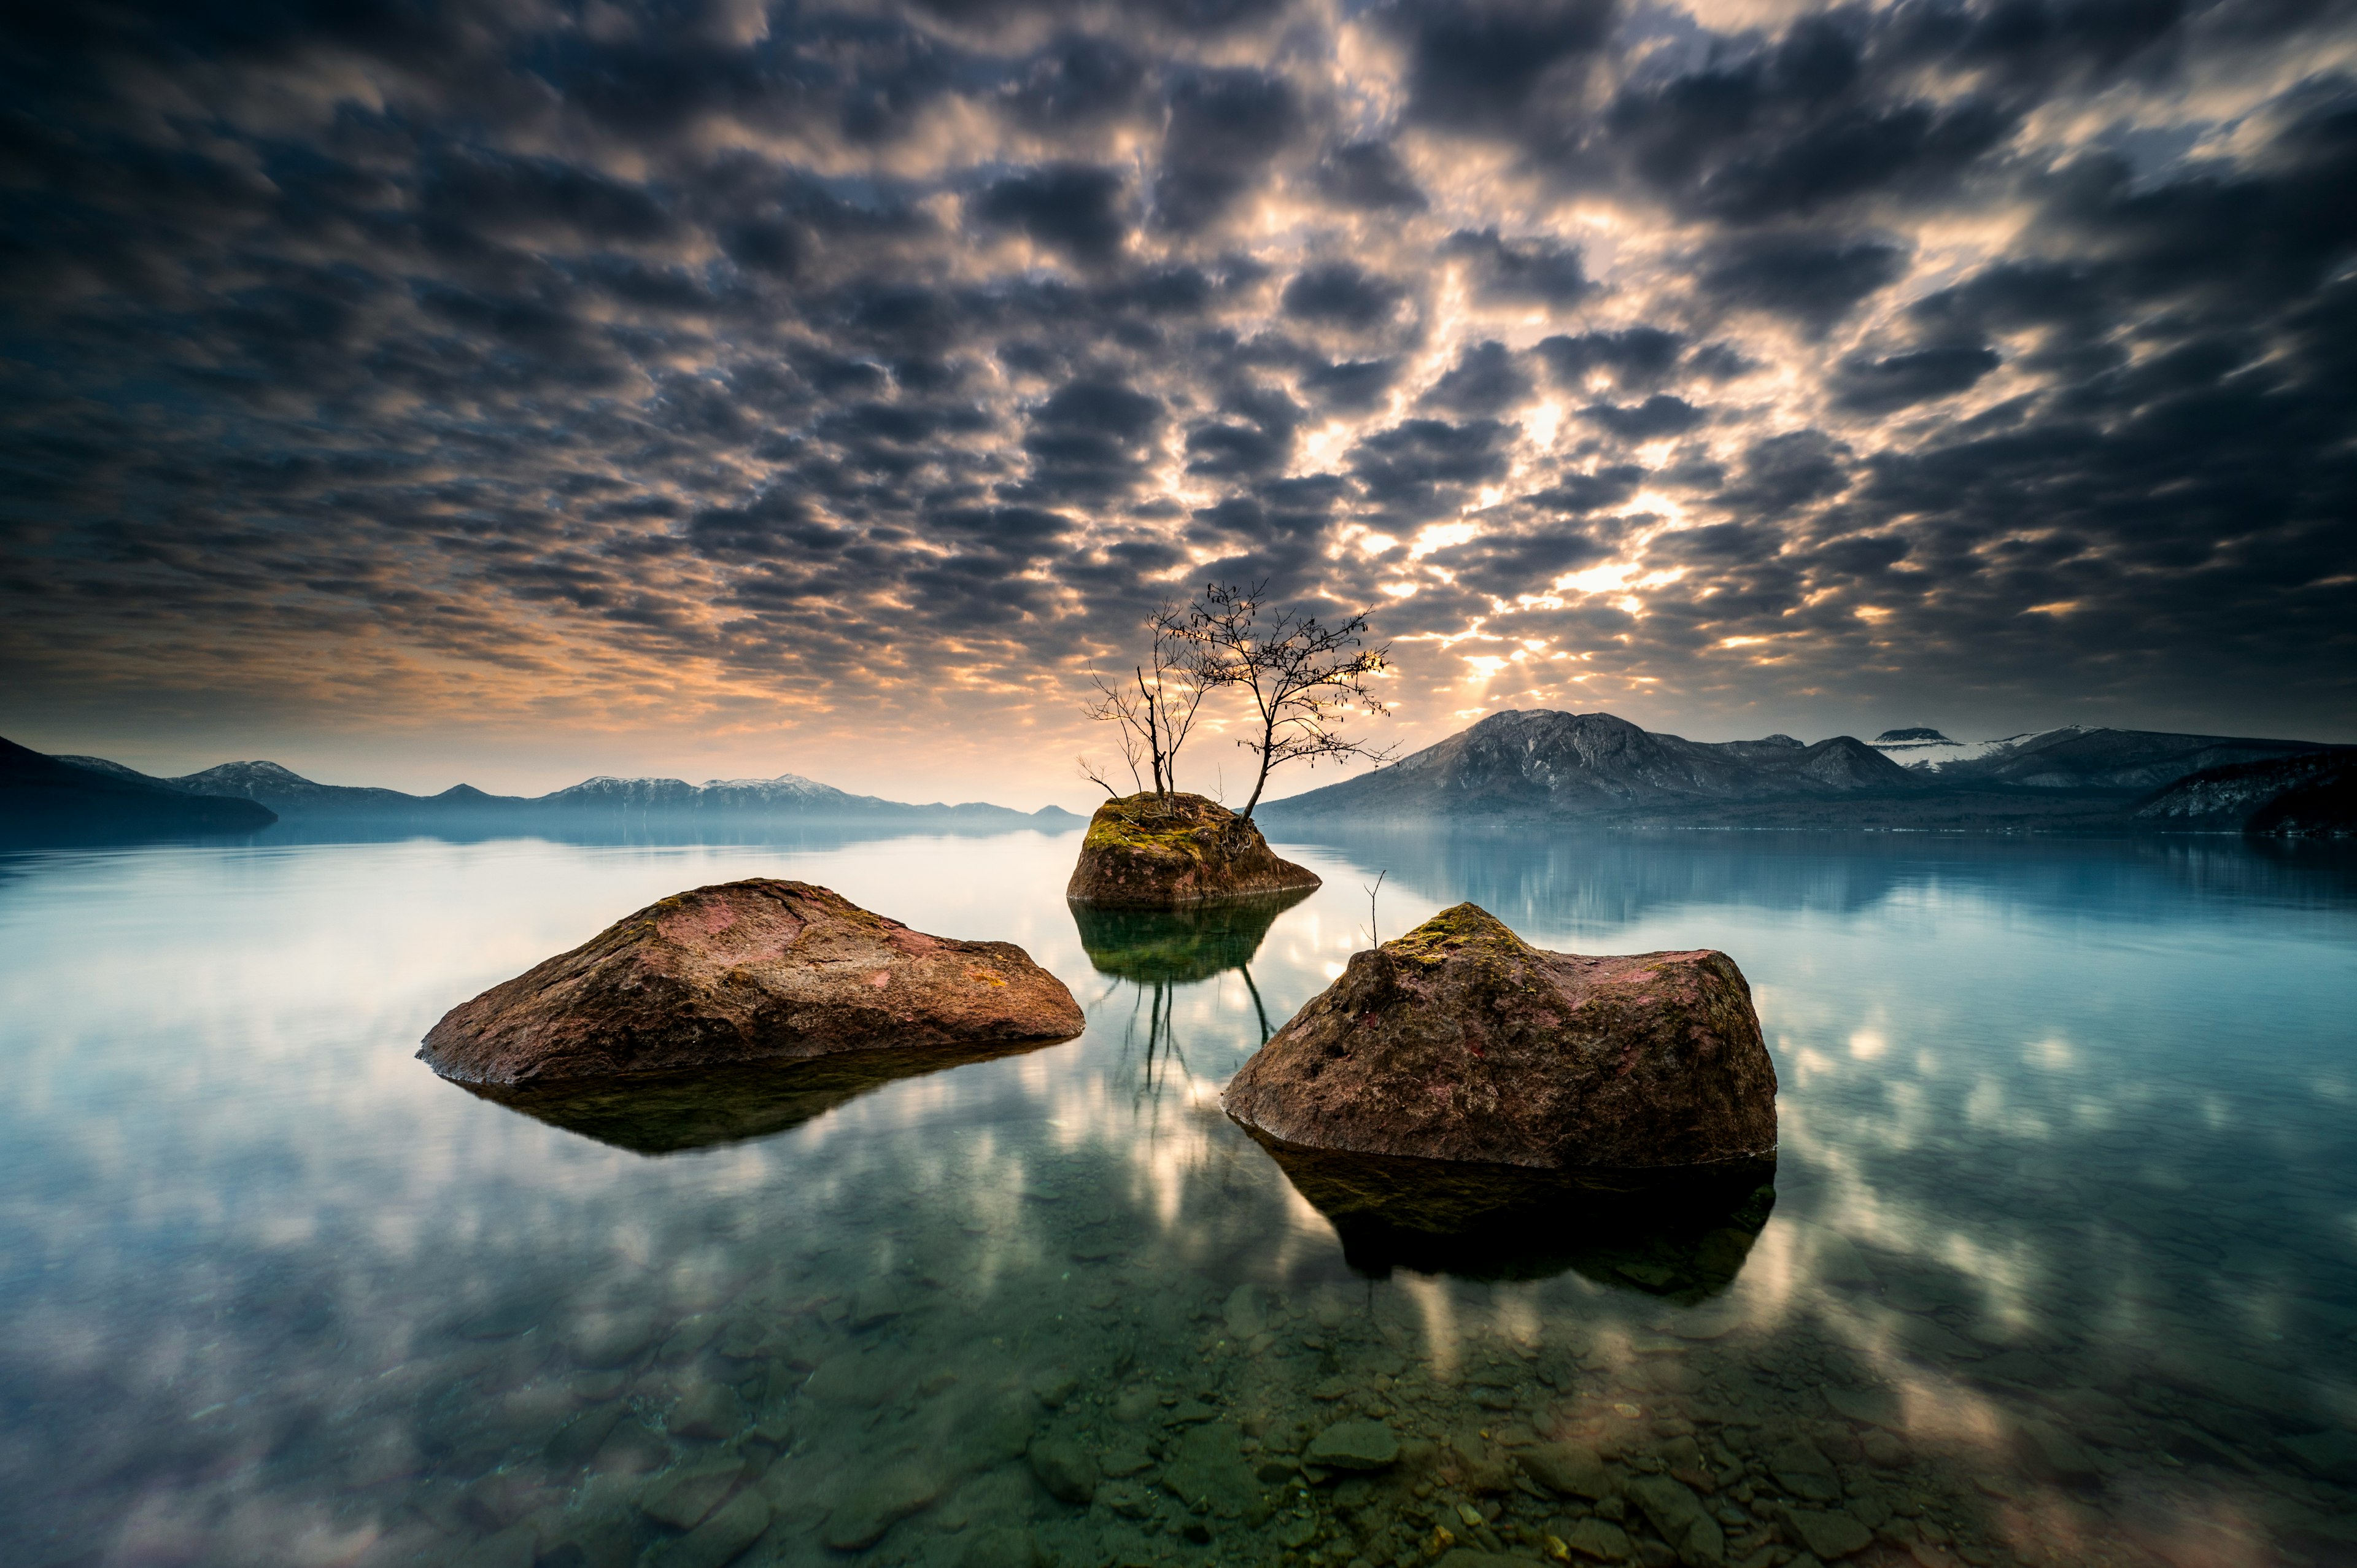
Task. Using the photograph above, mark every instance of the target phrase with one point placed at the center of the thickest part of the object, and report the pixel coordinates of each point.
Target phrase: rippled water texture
(2055, 1264)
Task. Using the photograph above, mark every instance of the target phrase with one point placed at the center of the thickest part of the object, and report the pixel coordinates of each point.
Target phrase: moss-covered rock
(1157, 851)
(1460, 1041)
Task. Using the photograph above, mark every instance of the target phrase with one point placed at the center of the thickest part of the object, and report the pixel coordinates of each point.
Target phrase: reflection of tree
(1162, 952)
(1179, 945)
(1162, 1046)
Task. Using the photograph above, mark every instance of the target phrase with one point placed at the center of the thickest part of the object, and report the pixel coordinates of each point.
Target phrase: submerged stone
(719, 1540)
(1829, 1533)
(1684, 1522)
(1004, 1547)
(878, 1502)
(710, 1411)
(1599, 1538)
(1461, 1042)
(1354, 1445)
(682, 1497)
(1207, 1470)
(754, 971)
(1068, 1470)
(1679, 1231)
(1571, 1468)
(1151, 851)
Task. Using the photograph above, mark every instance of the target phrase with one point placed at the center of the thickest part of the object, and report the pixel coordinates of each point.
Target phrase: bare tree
(1153, 708)
(1303, 677)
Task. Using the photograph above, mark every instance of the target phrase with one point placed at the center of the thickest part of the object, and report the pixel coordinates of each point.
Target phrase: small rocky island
(1155, 850)
(1459, 1041)
(755, 971)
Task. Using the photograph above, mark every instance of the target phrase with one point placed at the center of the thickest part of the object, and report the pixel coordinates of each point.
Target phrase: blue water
(2061, 1263)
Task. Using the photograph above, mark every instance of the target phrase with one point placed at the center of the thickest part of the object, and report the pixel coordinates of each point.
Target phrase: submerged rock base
(1461, 1042)
(1157, 851)
(1681, 1232)
(754, 971)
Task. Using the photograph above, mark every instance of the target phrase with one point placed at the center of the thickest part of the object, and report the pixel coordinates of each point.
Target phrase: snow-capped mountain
(1927, 749)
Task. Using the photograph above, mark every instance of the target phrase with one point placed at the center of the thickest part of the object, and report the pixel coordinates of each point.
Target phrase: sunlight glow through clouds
(912, 331)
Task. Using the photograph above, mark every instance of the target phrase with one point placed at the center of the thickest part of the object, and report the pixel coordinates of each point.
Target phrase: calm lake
(2058, 1262)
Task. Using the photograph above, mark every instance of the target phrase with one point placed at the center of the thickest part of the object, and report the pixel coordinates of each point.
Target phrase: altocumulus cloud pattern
(595, 360)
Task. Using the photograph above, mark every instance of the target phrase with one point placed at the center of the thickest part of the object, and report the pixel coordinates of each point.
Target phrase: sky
(510, 391)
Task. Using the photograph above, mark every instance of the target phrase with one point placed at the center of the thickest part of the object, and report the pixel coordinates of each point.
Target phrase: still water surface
(2058, 1264)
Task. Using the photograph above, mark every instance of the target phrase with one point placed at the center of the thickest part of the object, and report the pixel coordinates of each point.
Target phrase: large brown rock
(1460, 1041)
(1157, 851)
(753, 971)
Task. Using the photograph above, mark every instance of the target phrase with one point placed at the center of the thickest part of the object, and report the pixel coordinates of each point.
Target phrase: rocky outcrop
(753, 971)
(1157, 851)
(1459, 1041)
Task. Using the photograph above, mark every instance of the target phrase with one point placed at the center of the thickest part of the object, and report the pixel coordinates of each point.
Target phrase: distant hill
(2078, 759)
(297, 798)
(1546, 766)
(2310, 793)
(1539, 764)
(44, 798)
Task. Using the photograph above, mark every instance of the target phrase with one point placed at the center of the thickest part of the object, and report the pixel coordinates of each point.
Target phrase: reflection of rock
(745, 972)
(1460, 1041)
(1157, 851)
(663, 1113)
(1668, 1232)
(1190, 943)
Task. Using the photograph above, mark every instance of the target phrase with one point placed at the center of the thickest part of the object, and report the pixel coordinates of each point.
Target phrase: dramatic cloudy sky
(518, 389)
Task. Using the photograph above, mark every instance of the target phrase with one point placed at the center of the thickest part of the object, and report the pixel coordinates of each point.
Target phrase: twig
(1372, 929)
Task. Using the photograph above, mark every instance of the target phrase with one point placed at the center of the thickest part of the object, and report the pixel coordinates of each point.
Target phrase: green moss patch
(1461, 930)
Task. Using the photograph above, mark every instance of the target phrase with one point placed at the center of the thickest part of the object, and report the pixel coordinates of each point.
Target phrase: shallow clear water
(2061, 1265)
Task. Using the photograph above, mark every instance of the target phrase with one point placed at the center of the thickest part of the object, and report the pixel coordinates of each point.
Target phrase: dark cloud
(1813, 280)
(1657, 416)
(1341, 294)
(1421, 463)
(1508, 565)
(1871, 385)
(1226, 128)
(1078, 82)
(1347, 386)
(1788, 471)
(1540, 271)
(1485, 379)
(1481, 64)
(1633, 357)
(1074, 208)
(1368, 177)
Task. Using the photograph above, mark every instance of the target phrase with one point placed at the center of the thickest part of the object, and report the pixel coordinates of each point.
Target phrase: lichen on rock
(1151, 851)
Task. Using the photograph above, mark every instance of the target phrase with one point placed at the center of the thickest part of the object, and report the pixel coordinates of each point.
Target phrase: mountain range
(82, 794)
(43, 798)
(1542, 766)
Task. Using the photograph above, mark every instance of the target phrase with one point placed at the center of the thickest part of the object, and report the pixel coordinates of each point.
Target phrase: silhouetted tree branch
(1153, 710)
(1303, 677)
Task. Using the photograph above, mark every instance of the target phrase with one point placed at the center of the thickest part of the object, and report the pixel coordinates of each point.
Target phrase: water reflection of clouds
(2011, 1099)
